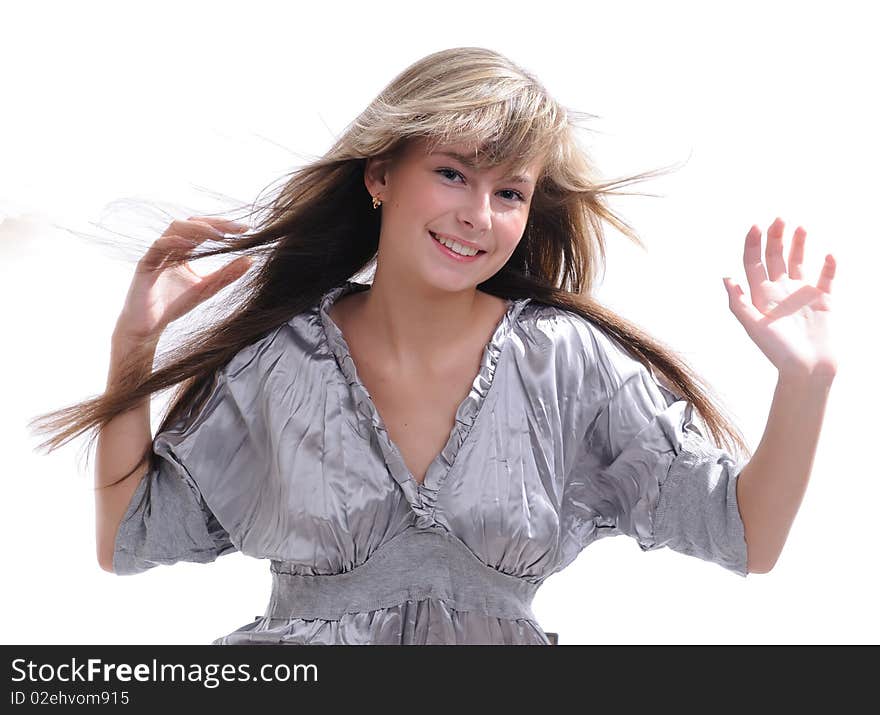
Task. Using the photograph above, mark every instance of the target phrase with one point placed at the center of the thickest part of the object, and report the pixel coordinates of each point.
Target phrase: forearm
(120, 445)
(771, 486)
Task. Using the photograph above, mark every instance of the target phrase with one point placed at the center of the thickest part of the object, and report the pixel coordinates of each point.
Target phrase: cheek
(415, 208)
(435, 199)
(509, 233)
(420, 197)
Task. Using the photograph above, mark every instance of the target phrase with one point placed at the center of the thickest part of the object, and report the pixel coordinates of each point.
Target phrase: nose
(476, 211)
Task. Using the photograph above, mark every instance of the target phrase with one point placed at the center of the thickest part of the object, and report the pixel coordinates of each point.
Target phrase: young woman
(417, 453)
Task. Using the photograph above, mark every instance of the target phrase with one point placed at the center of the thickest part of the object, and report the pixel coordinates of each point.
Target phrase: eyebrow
(469, 163)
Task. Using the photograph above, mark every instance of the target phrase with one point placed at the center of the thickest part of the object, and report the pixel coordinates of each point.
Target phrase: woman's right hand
(160, 294)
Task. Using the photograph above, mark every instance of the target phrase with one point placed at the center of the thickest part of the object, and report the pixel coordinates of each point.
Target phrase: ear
(376, 175)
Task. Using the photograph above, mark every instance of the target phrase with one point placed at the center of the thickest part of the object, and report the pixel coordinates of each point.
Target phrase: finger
(223, 223)
(212, 227)
(755, 273)
(239, 266)
(203, 227)
(199, 230)
(164, 249)
(796, 254)
(826, 276)
(191, 232)
(740, 306)
(230, 273)
(773, 251)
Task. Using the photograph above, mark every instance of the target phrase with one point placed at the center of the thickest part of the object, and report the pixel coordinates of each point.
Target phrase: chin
(442, 281)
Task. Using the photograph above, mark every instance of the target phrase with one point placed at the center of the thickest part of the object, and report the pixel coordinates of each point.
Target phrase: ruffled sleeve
(644, 468)
(210, 477)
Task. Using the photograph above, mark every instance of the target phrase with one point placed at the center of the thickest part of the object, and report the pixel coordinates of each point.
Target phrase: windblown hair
(319, 230)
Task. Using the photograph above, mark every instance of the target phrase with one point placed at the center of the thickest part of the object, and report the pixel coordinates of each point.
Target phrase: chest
(418, 412)
(418, 408)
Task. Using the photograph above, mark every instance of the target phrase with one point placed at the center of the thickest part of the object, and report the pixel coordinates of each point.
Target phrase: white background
(772, 103)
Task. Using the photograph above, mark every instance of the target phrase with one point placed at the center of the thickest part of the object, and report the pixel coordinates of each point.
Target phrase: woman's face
(429, 196)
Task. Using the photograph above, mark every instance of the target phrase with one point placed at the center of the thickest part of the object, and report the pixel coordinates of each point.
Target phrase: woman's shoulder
(292, 344)
(574, 347)
(551, 326)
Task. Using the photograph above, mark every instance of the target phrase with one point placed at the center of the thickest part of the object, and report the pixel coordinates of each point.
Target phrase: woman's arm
(120, 444)
(790, 322)
(772, 484)
(156, 297)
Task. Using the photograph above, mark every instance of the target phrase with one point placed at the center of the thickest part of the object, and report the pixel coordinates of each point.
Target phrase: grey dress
(563, 439)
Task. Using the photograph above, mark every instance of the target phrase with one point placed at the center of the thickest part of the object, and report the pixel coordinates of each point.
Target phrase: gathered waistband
(415, 564)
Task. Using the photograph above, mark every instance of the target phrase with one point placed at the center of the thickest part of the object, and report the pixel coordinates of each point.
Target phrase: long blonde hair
(320, 230)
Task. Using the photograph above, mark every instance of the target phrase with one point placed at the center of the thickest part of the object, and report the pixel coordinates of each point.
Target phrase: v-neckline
(422, 497)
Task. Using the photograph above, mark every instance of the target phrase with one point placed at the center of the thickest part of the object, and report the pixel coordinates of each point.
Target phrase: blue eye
(444, 170)
(518, 195)
(451, 171)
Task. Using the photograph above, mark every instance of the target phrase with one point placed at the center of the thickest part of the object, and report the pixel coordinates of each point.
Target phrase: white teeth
(455, 246)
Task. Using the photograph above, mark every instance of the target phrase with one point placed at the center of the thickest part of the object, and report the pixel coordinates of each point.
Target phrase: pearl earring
(376, 202)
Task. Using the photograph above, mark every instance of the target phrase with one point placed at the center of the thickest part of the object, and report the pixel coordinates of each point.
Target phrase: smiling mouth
(479, 251)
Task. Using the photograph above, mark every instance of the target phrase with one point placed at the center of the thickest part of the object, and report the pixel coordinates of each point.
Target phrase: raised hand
(159, 293)
(788, 318)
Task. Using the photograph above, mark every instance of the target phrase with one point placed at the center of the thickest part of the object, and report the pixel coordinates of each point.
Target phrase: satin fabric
(563, 439)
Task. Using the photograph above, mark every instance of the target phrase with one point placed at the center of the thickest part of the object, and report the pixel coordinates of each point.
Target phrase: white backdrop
(772, 103)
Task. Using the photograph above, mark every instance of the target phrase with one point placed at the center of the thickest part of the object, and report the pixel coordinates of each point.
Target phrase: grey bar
(415, 564)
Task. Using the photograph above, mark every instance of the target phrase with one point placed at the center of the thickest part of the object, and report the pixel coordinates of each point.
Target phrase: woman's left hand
(787, 318)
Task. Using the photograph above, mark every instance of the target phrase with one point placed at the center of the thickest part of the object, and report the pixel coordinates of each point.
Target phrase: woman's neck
(418, 331)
